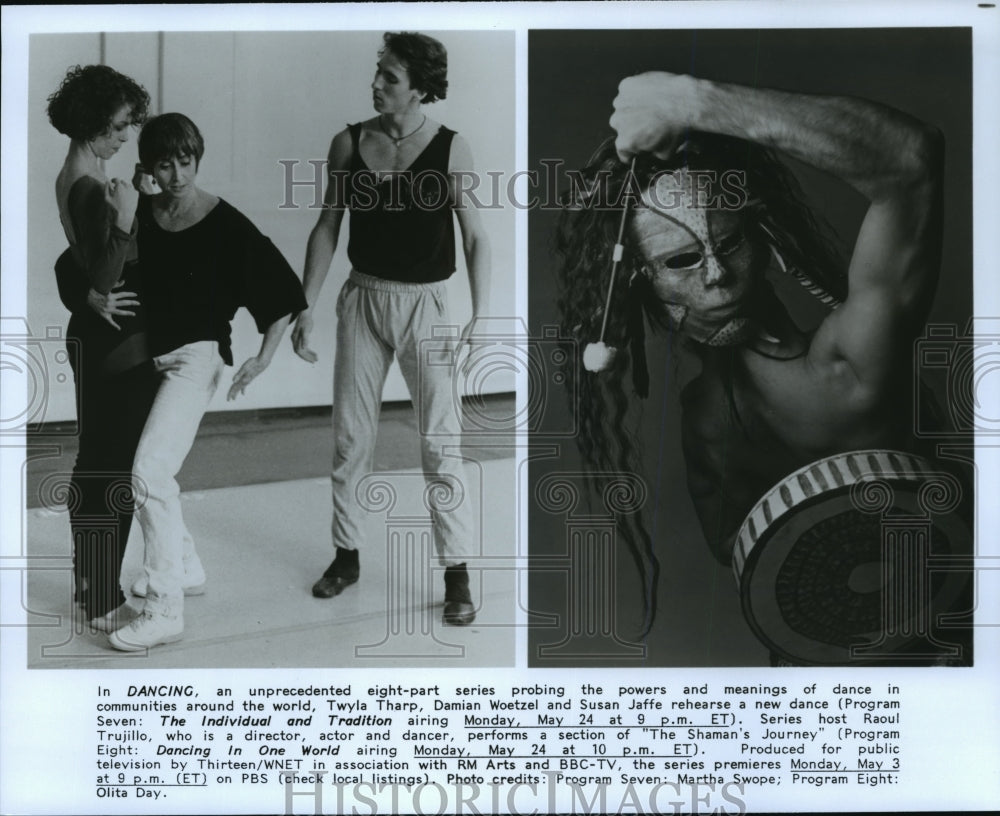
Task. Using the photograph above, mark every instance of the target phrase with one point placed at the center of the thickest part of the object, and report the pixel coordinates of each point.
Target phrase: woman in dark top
(114, 380)
(201, 261)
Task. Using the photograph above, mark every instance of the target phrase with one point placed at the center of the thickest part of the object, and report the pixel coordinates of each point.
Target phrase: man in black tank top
(396, 173)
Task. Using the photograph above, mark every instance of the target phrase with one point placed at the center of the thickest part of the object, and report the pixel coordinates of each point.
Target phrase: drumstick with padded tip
(598, 356)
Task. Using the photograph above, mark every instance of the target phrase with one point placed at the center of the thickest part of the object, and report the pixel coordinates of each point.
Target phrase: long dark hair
(777, 220)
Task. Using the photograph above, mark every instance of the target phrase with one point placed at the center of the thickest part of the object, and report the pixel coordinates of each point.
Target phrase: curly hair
(585, 239)
(88, 98)
(426, 62)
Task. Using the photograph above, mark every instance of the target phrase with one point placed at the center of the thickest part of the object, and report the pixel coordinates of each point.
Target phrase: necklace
(396, 140)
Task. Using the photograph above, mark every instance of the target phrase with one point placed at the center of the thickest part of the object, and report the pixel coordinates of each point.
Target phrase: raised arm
(892, 159)
(475, 243)
(323, 240)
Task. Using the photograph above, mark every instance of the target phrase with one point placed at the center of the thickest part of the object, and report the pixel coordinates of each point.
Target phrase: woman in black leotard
(115, 383)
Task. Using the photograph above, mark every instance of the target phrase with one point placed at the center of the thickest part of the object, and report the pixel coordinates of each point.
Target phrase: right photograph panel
(750, 298)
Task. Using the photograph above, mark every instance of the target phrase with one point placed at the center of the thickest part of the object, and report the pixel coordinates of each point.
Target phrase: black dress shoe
(343, 572)
(458, 607)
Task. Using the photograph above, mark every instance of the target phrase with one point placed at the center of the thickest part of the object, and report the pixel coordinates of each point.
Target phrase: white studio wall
(260, 98)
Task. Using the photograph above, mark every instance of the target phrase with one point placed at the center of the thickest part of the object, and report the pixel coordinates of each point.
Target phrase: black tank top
(402, 227)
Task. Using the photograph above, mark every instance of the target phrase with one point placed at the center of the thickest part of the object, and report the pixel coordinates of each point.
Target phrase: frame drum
(846, 561)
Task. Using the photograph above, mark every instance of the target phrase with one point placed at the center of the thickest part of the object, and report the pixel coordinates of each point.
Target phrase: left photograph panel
(270, 401)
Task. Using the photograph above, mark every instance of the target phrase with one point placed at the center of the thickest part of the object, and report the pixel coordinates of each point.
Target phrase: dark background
(573, 78)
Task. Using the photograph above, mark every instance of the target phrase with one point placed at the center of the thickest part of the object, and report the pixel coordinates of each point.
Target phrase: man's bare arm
(323, 239)
(892, 159)
(475, 242)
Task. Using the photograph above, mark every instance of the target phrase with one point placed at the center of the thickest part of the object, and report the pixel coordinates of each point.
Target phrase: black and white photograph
(753, 263)
(214, 508)
(500, 408)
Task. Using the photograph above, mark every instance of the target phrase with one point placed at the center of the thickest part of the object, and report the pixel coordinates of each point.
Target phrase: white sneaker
(149, 629)
(115, 619)
(193, 583)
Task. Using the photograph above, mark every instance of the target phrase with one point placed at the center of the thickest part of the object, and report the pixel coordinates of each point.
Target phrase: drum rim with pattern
(830, 478)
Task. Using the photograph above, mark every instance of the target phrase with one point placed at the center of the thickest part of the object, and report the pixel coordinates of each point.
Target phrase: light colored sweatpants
(190, 377)
(376, 319)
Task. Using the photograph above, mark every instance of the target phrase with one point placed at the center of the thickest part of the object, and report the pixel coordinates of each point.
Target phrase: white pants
(190, 376)
(376, 319)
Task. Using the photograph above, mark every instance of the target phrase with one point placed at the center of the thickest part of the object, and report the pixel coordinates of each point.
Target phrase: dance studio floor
(263, 545)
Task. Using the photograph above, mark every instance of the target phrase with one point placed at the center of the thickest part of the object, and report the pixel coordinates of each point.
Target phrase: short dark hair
(169, 135)
(88, 98)
(426, 62)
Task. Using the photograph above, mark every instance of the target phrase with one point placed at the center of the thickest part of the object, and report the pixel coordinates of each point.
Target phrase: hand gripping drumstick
(598, 356)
